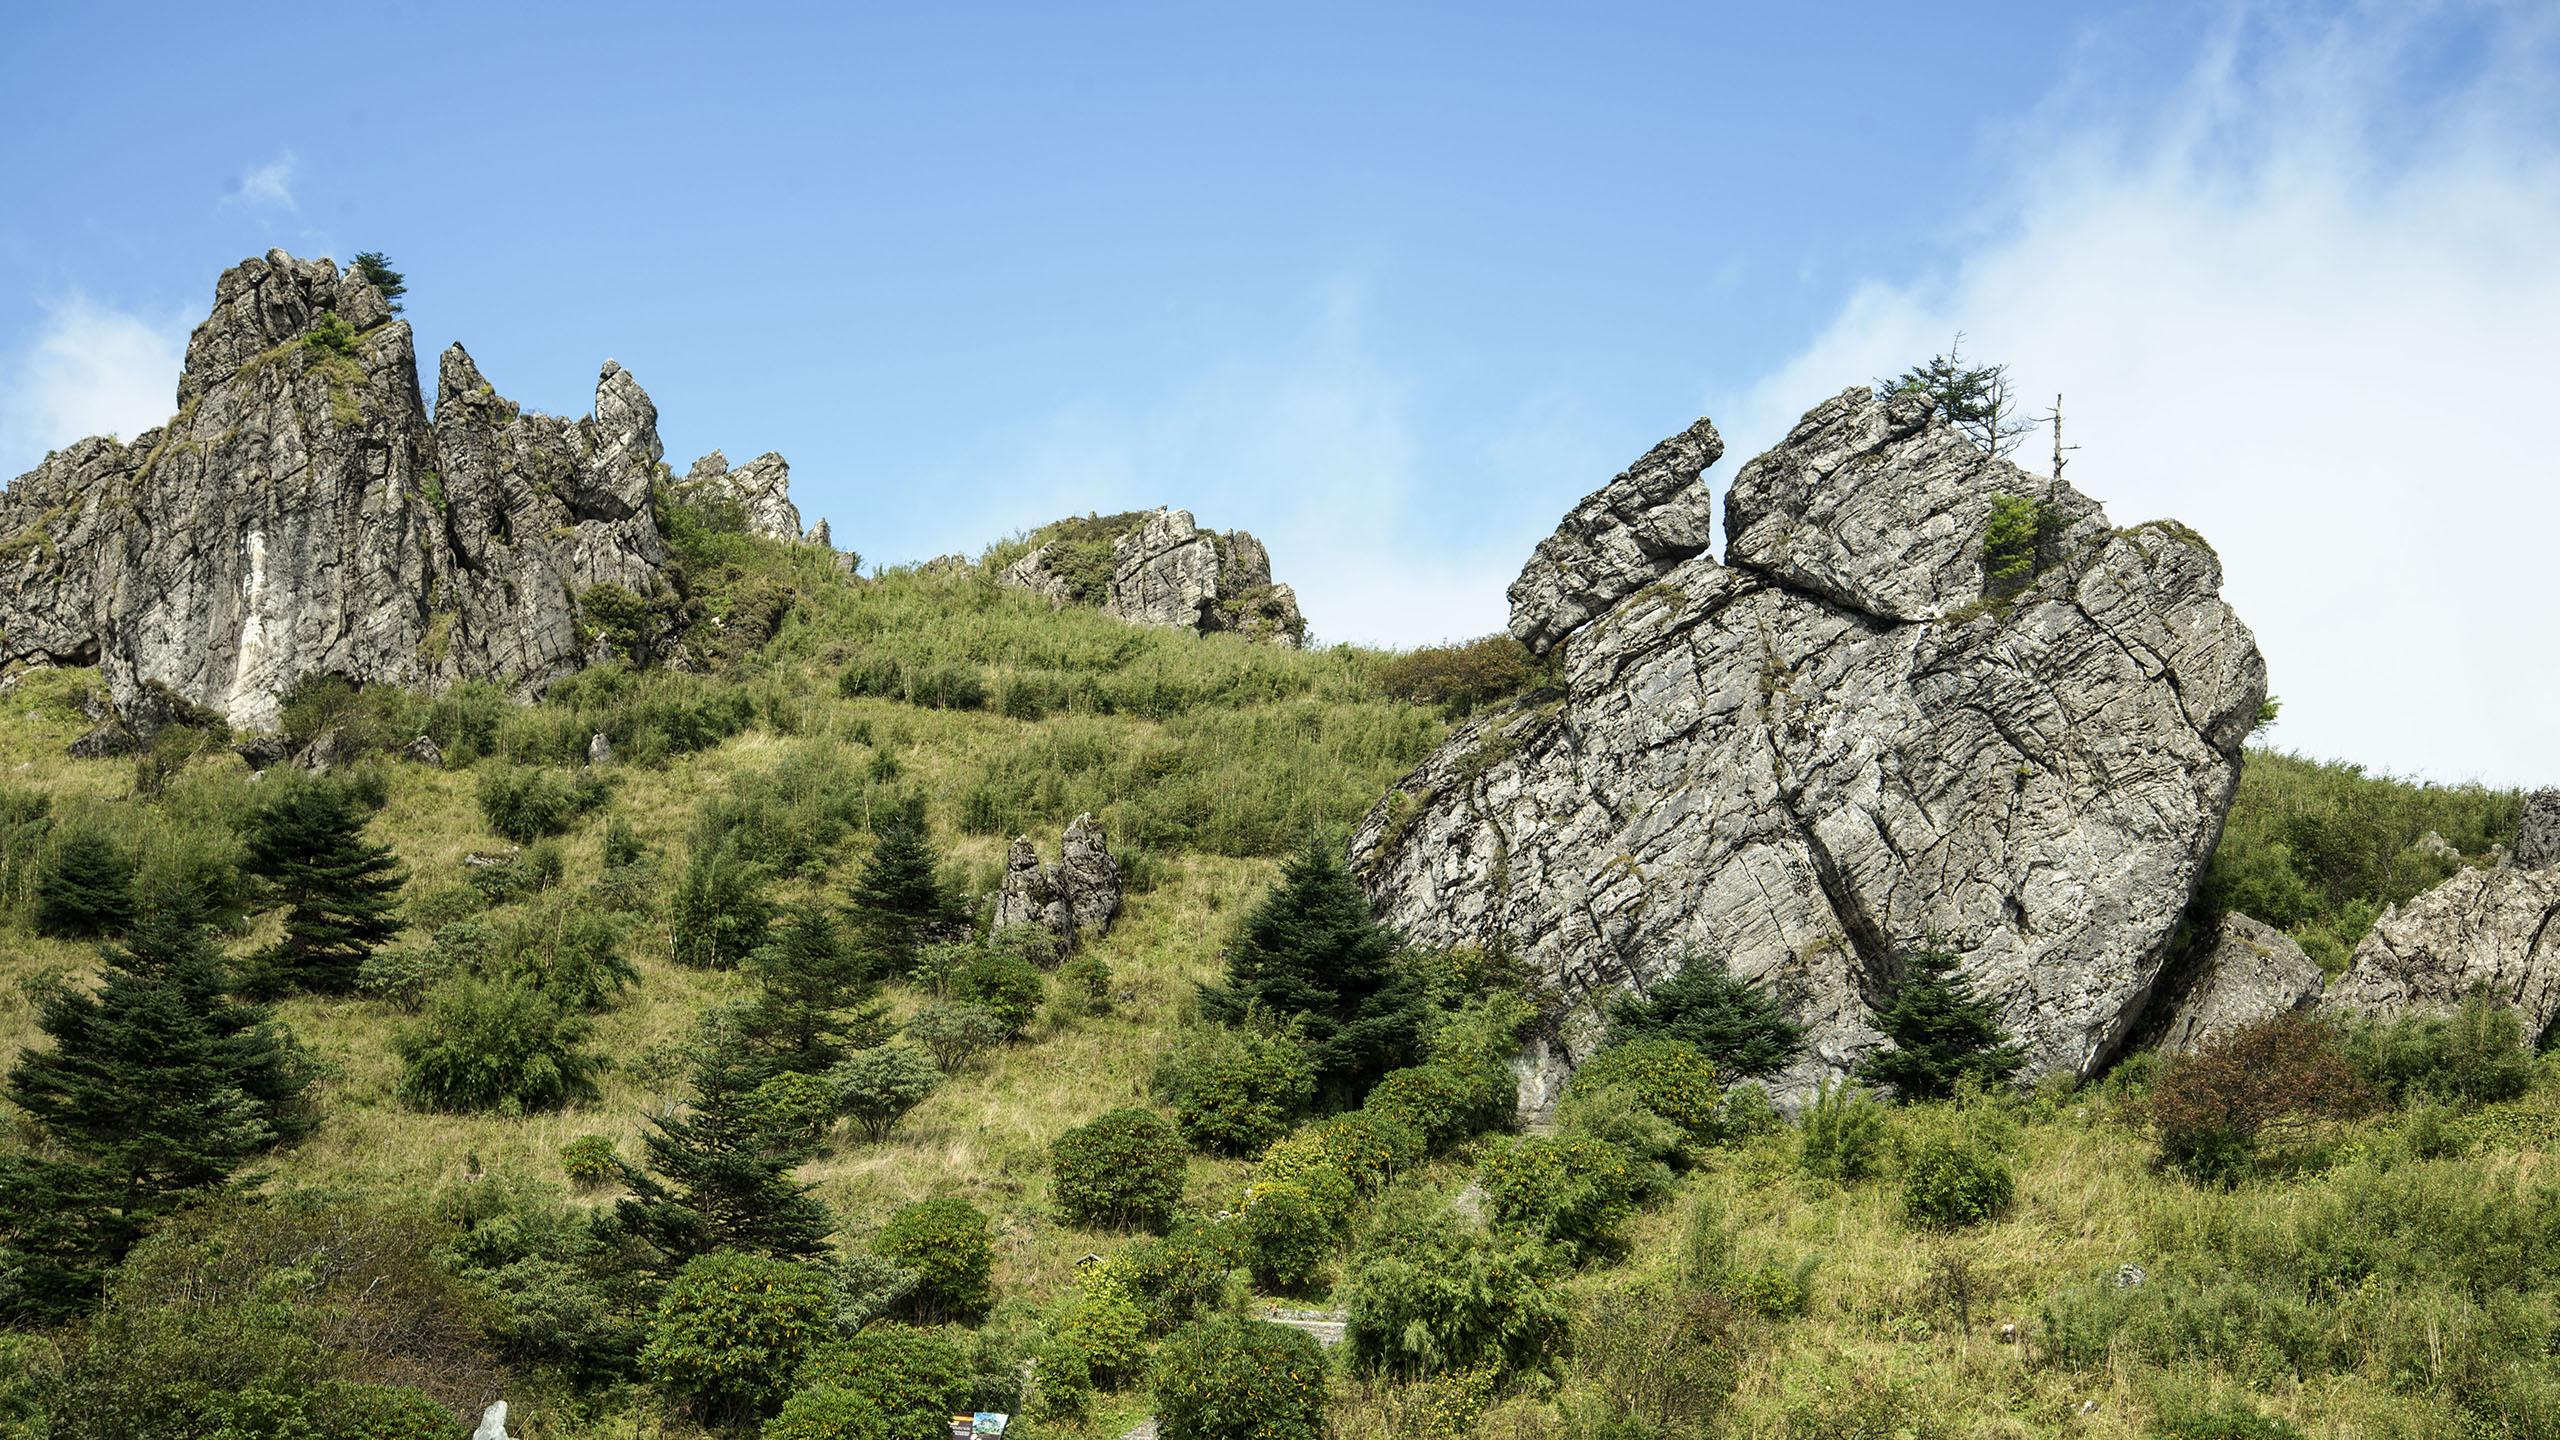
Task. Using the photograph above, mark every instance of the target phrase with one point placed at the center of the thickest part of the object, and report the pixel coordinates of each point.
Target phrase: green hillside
(2360, 1235)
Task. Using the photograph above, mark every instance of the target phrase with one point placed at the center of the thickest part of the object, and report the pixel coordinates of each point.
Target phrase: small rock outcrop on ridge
(2537, 843)
(2254, 971)
(1837, 749)
(2493, 929)
(761, 489)
(1160, 568)
(303, 513)
(1075, 899)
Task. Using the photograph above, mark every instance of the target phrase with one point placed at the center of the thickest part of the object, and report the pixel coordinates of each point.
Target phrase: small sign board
(981, 1426)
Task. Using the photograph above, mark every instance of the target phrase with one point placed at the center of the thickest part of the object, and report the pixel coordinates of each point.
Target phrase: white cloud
(89, 369)
(268, 186)
(2311, 313)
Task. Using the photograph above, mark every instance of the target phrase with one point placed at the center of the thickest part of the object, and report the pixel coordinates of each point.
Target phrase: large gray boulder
(2494, 930)
(302, 513)
(1621, 538)
(2537, 832)
(1076, 899)
(2253, 972)
(1163, 570)
(1811, 765)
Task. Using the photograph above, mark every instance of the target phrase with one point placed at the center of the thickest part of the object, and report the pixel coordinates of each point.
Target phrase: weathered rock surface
(2497, 930)
(302, 514)
(1075, 899)
(1165, 570)
(2538, 832)
(761, 489)
(1622, 537)
(2254, 971)
(1834, 753)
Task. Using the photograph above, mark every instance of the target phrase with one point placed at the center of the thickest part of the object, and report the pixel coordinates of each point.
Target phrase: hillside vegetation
(556, 1133)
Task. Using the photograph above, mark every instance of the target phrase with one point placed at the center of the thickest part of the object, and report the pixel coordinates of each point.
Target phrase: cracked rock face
(2497, 930)
(761, 489)
(1075, 899)
(2538, 832)
(1833, 753)
(2253, 972)
(303, 514)
(1622, 537)
(1167, 571)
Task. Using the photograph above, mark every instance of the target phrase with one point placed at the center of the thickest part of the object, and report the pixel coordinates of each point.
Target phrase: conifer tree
(1312, 950)
(87, 886)
(157, 1086)
(718, 1176)
(898, 902)
(1943, 1034)
(1741, 1028)
(804, 1016)
(339, 889)
(375, 267)
(1976, 399)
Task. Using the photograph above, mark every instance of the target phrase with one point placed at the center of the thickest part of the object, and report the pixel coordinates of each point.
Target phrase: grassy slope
(1231, 750)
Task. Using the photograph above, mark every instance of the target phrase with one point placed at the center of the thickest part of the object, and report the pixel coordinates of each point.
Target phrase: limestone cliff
(1838, 749)
(302, 513)
(1160, 568)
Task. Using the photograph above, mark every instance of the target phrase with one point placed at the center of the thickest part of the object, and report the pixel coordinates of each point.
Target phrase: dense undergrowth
(1037, 1186)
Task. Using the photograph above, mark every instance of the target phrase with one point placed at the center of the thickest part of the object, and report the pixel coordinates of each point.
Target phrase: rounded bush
(945, 1243)
(1290, 1235)
(829, 1412)
(878, 1086)
(588, 1160)
(493, 1046)
(1234, 1092)
(1443, 1103)
(1949, 1183)
(1672, 1078)
(1123, 1171)
(913, 1379)
(1184, 1275)
(795, 1106)
(1105, 1326)
(1236, 1379)
(732, 1330)
(1005, 985)
(1366, 1147)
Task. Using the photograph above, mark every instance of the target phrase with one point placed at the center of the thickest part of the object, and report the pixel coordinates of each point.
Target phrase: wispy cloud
(2306, 305)
(267, 187)
(89, 369)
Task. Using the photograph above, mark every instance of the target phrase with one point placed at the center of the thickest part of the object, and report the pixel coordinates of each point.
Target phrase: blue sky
(1390, 286)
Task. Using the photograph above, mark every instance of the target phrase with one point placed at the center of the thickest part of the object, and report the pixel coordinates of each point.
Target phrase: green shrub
(86, 886)
(2478, 1055)
(945, 1243)
(524, 805)
(1572, 1191)
(1656, 1362)
(914, 1379)
(1289, 1234)
(1084, 986)
(1772, 1292)
(1364, 1146)
(1672, 1078)
(2012, 543)
(1444, 1103)
(505, 879)
(1426, 1295)
(1183, 1275)
(572, 956)
(830, 1412)
(1122, 1171)
(483, 1045)
(878, 1086)
(954, 1034)
(1742, 1029)
(2229, 1425)
(1950, 1181)
(1235, 1379)
(1105, 1326)
(589, 1160)
(721, 913)
(1943, 1036)
(1458, 678)
(795, 1106)
(1005, 986)
(1234, 1092)
(1844, 1134)
(733, 1329)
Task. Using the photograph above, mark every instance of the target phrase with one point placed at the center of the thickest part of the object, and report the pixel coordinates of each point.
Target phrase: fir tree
(1973, 398)
(1741, 1028)
(898, 903)
(1312, 950)
(375, 267)
(309, 846)
(157, 1086)
(1943, 1034)
(86, 888)
(718, 1176)
(804, 1016)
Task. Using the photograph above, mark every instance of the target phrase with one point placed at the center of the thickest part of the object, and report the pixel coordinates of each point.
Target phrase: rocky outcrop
(2537, 843)
(1075, 899)
(761, 489)
(1623, 537)
(1837, 750)
(302, 513)
(1160, 568)
(2253, 972)
(2496, 930)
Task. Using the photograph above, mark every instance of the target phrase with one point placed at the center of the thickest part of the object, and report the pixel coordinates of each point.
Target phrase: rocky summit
(2493, 930)
(304, 513)
(1927, 701)
(1160, 568)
